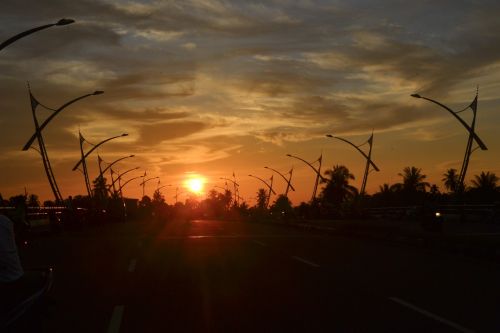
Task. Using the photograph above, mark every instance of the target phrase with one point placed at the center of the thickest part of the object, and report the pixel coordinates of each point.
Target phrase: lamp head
(266, 167)
(65, 21)
(329, 136)
(124, 134)
(132, 155)
(288, 155)
(416, 95)
(98, 92)
(250, 175)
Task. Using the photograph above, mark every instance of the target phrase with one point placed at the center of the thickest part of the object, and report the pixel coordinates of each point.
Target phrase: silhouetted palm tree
(413, 180)
(337, 189)
(486, 182)
(450, 180)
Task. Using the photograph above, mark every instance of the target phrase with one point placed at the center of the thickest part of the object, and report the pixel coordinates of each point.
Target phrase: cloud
(155, 134)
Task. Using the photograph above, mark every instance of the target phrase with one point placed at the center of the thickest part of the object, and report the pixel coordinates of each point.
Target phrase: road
(220, 276)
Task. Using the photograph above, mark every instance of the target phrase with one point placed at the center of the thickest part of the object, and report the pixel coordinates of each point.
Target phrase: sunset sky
(207, 88)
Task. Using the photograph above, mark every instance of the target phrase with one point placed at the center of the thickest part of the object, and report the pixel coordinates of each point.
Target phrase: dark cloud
(154, 134)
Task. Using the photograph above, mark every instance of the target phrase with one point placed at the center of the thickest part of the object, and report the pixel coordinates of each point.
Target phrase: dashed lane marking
(431, 315)
(131, 265)
(305, 261)
(259, 243)
(116, 319)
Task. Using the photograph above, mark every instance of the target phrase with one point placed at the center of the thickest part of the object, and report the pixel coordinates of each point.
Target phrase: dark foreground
(214, 276)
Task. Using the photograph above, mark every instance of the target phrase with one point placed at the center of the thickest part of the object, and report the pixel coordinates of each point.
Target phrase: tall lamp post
(38, 136)
(124, 184)
(120, 175)
(270, 186)
(33, 30)
(367, 157)
(85, 155)
(143, 184)
(317, 171)
(235, 187)
(288, 181)
(470, 129)
(102, 172)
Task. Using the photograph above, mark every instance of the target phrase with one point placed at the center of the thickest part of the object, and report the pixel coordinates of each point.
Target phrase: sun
(195, 185)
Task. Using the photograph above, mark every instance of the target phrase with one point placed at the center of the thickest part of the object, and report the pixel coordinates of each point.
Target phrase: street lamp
(85, 155)
(38, 136)
(288, 181)
(367, 157)
(470, 129)
(235, 187)
(102, 172)
(128, 181)
(317, 171)
(56, 111)
(120, 175)
(270, 186)
(30, 31)
(143, 184)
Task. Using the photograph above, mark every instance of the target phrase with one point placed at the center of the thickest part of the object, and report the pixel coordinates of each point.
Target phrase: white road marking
(131, 265)
(305, 261)
(260, 243)
(240, 236)
(116, 319)
(479, 234)
(431, 315)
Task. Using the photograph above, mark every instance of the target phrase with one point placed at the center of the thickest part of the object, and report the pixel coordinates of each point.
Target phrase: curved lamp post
(38, 136)
(288, 181)
(236, 187)
(85, 155)
(143, 184)
(128, 181)
(270, 186)
(367, 157)
(56, 111)
(317, 171)
(470, 129)
(120, 175)
(102, 172)
(33, 30)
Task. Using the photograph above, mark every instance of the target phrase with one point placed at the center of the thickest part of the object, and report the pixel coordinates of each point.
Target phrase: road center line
(131, 265)
(305, 261)
(116, 319)
(259, 243)
(431, 315)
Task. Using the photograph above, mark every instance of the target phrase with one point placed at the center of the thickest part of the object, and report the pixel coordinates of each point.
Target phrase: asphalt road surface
(219, 276)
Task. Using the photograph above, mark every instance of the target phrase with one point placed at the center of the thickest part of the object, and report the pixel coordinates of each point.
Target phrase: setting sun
(195, 185)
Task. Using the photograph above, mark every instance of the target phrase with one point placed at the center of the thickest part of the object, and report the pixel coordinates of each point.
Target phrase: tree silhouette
(413, 180)
(485, 182)
(450, 180)
(261, 199)
(33, 200)
(337, 189)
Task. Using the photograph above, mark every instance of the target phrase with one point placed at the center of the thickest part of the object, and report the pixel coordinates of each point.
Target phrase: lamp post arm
(113, 163)
(469, 129)
(30, 31)
(282, 176)
(262, 180)
(128, 181)
(123, 174)
(94, 148)
(312, 167)
(42, 126)
(232, 181)
(357, 148)
(147, 180)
